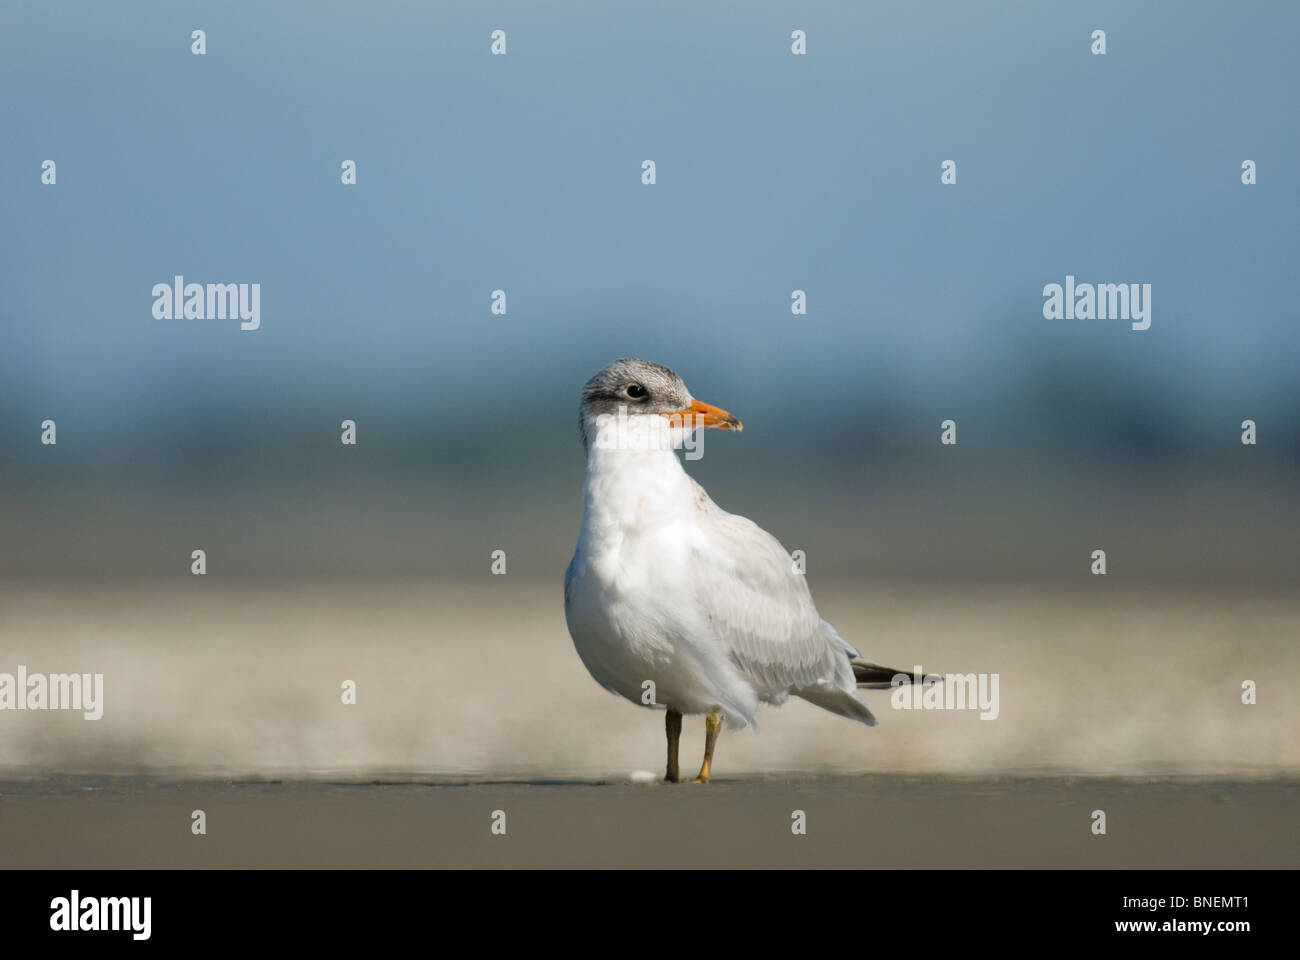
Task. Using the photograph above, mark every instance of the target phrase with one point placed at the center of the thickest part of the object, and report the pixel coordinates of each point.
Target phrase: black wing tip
(873, 676)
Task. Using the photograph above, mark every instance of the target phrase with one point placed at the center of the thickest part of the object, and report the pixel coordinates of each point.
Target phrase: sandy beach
(479, 680)
(470, 699)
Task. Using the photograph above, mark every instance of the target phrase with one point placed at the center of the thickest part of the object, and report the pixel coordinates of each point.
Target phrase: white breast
(628, 592)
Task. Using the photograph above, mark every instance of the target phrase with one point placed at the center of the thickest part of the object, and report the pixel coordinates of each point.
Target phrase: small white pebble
(641, 776)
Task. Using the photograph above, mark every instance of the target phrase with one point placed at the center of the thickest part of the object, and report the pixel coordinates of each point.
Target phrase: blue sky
(521, 172)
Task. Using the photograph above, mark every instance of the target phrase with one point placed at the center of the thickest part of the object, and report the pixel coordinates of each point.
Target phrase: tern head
(637, 389)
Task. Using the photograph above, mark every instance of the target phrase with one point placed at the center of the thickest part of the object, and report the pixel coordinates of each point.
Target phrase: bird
(674, 603)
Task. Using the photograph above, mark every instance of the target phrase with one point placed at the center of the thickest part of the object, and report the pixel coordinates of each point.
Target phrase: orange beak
(700, 414)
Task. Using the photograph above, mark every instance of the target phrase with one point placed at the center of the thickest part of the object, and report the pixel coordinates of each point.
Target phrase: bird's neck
(632, 488)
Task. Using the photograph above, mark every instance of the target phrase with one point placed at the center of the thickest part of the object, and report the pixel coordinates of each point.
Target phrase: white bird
(673, 602)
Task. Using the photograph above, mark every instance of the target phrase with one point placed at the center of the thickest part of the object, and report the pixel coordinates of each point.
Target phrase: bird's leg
(673, 724)
(712, 726)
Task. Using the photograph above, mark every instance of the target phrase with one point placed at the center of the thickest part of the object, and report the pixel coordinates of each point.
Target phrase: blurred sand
(479, 680)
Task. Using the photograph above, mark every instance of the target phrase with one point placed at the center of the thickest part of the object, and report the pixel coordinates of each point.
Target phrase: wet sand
(874, 821)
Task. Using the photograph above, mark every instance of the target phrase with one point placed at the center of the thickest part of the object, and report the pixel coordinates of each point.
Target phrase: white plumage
(667, 587)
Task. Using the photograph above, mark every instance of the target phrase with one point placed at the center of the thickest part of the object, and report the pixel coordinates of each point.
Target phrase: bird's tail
(872, 676)
(832, 698)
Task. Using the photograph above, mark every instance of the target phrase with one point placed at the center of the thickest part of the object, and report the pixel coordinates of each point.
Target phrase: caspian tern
(673, 602)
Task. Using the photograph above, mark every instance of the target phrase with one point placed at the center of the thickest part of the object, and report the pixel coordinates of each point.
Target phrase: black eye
(635, 391)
